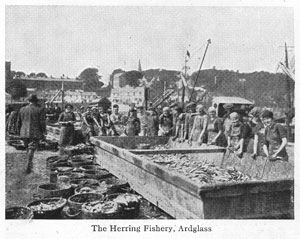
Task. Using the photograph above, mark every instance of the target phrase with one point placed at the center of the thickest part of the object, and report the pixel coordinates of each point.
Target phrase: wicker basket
(131, 210)
(102, 214)
(51, 213)
(77, 200)
(50, 190)
(70, 213)
(18, 213)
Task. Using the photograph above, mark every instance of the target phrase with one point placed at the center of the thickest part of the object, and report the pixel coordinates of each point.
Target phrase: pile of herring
(199, 172)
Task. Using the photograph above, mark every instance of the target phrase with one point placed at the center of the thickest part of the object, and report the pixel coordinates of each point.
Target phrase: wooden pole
(288, 87)
(62, 93)
(288, 90)
(208, 42)
(183, 87)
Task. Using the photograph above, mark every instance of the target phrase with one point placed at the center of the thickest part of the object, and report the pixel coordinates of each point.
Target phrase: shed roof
(231, 100)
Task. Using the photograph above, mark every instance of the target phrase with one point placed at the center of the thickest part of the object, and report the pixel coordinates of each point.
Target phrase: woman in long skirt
(215, 131)
(199, 130)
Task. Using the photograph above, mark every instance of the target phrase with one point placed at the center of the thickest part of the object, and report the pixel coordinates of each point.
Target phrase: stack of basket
(76, 177)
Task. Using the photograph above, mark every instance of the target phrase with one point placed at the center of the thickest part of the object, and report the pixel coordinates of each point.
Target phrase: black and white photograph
(130, 118)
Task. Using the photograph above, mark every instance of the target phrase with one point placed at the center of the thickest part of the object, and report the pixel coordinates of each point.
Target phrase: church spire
(140, 66)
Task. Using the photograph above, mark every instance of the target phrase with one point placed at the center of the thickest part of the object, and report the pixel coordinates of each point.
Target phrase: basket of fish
(18, 213)
(114, 185)
(70, 213)
(108, 209)
(77, 200)
(130, 204)
(49, 208)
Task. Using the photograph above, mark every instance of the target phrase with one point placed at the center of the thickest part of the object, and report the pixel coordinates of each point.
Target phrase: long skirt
(66, 135)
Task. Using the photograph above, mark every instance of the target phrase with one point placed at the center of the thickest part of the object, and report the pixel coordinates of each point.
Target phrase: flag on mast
(188, 54)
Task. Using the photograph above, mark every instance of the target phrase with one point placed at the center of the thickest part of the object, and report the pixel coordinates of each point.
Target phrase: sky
(67, 39)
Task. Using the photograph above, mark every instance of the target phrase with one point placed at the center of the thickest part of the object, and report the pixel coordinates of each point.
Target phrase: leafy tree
(91, 79)
(20, 74)
(41, 74)
(131, 78)
(32, 74)
(16, 89)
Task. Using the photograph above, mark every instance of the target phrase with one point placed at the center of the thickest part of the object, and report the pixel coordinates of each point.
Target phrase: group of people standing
(254, 132)
(240, 131)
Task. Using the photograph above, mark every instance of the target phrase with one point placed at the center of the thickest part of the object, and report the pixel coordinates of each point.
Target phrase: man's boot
(30, 159)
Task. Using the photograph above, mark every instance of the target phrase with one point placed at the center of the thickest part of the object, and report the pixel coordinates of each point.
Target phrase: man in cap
(32, 127)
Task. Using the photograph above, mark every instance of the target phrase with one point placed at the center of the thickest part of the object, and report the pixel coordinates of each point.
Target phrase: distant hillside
(266, 89)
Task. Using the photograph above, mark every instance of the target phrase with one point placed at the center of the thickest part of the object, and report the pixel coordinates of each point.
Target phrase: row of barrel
(79, 189)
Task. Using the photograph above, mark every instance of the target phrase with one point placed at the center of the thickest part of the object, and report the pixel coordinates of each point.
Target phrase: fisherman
(32, 125)
(199, 133)
(165, 123)
(67, 120)
(88, 125)
(116, 119)
(275, 138)
(106, 124)
(133, 126)
(97, 126)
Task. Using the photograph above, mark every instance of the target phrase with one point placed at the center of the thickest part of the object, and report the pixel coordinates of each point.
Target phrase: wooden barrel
(70, 213)
(50, 190)
(18, 213)
(114, 210)
(77, 200)
(49, 213)
(131, 209)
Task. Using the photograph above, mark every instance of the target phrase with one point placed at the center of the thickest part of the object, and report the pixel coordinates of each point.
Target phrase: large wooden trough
(270, 195)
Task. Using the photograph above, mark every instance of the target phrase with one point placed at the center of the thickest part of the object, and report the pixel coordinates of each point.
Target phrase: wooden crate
(183, 198)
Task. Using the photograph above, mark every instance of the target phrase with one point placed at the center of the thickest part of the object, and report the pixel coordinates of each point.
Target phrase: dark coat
(32, 122)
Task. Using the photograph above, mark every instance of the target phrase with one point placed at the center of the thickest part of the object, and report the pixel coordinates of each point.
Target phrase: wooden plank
(178, 151)
(172, 177)
(165, 195)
